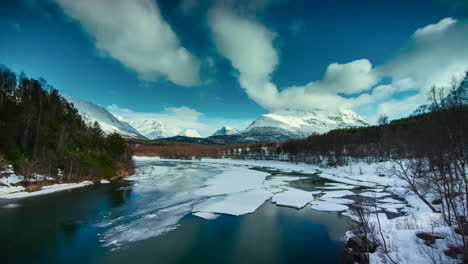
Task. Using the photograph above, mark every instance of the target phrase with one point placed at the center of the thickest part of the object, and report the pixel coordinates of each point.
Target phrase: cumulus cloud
(433, 55)
(249, 47)
(177, 119)
(135, 34)
(434, 28)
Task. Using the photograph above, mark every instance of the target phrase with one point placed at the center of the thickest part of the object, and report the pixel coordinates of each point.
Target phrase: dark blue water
(62, 228)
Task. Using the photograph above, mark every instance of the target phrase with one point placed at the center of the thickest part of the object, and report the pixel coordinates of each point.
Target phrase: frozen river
(181, 212)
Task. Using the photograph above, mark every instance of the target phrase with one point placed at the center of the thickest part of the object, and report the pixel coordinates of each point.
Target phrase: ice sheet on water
(337, 194)
(205, 215)
(235, 204)
(233, 180)
(328, 206)
(293, 198)
(140, 228)
(374, 194)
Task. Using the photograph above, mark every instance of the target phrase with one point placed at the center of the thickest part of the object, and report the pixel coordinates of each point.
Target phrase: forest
(42, 134)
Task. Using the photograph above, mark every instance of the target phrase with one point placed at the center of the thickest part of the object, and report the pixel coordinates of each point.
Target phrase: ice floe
(293, 198)
(232, 181)
(205, 215)
(328, 206)
(234, 204)
(337, 194)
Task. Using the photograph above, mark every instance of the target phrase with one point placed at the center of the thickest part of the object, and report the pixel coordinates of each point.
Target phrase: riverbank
(400, 216)
(13, 186)
(240, 187)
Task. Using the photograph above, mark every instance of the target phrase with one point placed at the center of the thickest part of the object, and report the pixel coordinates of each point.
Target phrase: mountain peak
(189, 133)
(152, 129)
(109, 124)
(226, 131)
(304, 123)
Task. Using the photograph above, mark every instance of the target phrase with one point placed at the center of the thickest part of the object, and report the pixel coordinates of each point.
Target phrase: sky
(207, 64)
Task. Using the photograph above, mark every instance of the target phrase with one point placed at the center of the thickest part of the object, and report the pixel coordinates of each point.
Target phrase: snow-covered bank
(46, 190)
(10, 187)
(369, 180)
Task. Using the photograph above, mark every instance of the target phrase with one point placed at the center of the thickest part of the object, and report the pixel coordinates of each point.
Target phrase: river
(148, 219)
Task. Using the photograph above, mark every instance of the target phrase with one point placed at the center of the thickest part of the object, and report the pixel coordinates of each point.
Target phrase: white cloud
(135, 33)
(249, 47)
(175, 118)
(434, 28)
(179, 118)
(433, 55)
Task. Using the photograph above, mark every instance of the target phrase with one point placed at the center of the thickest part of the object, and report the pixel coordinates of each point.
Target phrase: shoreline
(11, 187)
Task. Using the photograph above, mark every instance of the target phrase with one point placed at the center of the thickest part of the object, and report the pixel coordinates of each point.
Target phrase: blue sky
(226, 62)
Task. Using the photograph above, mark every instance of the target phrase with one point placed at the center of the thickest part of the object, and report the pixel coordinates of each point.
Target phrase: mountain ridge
(91, 113)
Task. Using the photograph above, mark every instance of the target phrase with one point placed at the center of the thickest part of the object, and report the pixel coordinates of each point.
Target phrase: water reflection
(270, 235)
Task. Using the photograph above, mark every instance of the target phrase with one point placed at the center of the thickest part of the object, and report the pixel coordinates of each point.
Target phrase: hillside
(109, 124)
(42, 133)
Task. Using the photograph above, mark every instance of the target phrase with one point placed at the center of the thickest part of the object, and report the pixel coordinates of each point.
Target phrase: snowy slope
(109, 124)
(225, 131)
(298, 124)
(152, 129)
(189, 133)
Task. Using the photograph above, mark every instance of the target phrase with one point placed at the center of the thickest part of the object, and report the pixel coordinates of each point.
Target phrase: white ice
(234, 204)
(337, 194)
(293, 198)
(205, 215)
(233, 180)
(46, 190)
(328, 206)
(374, 194)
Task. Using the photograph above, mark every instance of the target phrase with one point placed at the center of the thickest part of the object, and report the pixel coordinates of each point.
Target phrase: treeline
(177, 150)
(411, 137)
(41, 133)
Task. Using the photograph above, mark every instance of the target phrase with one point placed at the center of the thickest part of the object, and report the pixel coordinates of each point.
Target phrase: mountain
(281, 126)
(152, 129)
(189, 133)
(109, 124)
(226, 131)
(301, 124)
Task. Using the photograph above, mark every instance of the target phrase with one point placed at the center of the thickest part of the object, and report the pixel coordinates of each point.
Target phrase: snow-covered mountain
(109, 124)
(226, 131)
(152, 129)
(189, 133)
(300, 124)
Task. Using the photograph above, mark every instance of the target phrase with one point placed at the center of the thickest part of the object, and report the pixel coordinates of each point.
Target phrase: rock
(454, 194)
(454, 252)
(462, 219)
(349, 256)
(464, 227)
(429, 239)
(358, 244)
